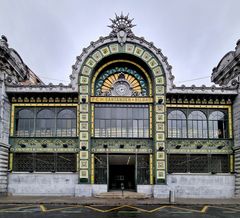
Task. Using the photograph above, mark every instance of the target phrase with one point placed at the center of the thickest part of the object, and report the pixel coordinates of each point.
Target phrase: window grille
(220, 163)
(100, 166)
(143, 173)
(23, 162)
(198, 163)
(44, 162)
(177, 163)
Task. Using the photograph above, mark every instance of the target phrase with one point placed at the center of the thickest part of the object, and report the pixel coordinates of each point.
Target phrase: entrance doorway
(117, 169)
(122, 172)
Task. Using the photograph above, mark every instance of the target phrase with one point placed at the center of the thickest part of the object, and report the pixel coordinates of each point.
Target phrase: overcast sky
(193, 34)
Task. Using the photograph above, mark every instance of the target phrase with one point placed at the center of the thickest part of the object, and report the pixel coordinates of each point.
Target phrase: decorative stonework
(121, 82)
(89, 71)
(228, 69)
(207, 146)
(121, 28)
(200, 100)
(52, 145)
(129, 145)
(47, 99)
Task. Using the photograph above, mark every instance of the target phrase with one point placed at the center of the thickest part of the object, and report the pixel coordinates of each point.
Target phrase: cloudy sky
(193, 34)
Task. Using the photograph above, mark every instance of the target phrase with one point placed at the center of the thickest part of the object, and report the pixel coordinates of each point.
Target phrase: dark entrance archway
(122, 171)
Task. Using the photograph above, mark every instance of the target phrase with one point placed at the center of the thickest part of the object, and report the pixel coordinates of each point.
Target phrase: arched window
(217, 123)
(177, 124)
(197, 125)
(45, 123)
(66, 123)
(25, 122)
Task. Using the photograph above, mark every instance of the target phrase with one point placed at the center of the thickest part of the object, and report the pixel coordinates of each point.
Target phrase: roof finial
(121, 27)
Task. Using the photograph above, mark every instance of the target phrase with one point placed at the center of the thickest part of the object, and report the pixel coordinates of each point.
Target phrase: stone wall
(55, 184)
(4, 135)
(202, 186)
(3, 168)
(236, 133)
(237, 170)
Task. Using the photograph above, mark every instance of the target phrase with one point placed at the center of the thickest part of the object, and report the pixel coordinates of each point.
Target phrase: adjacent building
(121, 122)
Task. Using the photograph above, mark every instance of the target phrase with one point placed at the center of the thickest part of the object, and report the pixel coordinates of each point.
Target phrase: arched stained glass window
(24, 122)
(121, 81)
(45, 123)
(217, 124)
(177, 124)
(197, 125)
(66, 123)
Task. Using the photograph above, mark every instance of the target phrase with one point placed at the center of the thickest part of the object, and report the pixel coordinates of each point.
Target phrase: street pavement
(71, 200)
(77, 207)
(123, 211)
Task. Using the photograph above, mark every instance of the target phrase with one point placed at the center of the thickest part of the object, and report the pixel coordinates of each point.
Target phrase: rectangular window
(177, 163)
(121, 121)
(198, 163)
(220, 163)
(44, 162)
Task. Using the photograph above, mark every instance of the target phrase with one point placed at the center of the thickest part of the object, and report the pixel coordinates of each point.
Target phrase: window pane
(177, 163)
(122, 120)
(220, 163)
(198, 163)
(177, 127)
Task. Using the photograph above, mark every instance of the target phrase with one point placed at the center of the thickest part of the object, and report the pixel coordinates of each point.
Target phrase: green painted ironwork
(44, 144)
(121, 145)
(107, 73)
(199, 146)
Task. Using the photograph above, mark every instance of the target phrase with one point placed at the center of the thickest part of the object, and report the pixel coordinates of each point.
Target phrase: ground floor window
(44, 162)
(198, 163)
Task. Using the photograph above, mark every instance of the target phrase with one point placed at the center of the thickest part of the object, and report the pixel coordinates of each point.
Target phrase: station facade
(121, 122)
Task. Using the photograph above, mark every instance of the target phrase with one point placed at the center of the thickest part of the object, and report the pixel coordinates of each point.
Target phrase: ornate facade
(120, 122)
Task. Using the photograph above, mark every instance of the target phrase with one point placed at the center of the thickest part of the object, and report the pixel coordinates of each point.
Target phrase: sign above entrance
(122, 99)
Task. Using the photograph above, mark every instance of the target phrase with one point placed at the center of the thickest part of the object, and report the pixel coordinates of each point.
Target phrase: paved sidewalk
(69, 200)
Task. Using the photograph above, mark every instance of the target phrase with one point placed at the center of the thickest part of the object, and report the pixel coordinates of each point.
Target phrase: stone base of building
(86, 190)
(66, 184)
(52, 184)
(4, 149)
(202, 186)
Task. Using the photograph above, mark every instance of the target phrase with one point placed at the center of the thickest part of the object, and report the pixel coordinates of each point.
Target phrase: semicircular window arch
(24, 122)
(177, 124)
(121, 81)
(45, 123)
(217, 123)
(197, 125)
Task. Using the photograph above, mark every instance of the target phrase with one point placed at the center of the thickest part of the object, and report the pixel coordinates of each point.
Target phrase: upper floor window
(66, 123)
(192, 123)
(25, 122)
(45, 122)
(123, 121)
(217, 123)
(177, 124)
(197, 125)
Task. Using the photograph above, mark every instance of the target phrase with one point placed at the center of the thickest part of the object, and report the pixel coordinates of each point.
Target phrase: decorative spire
(121, 27)
(3, 43)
